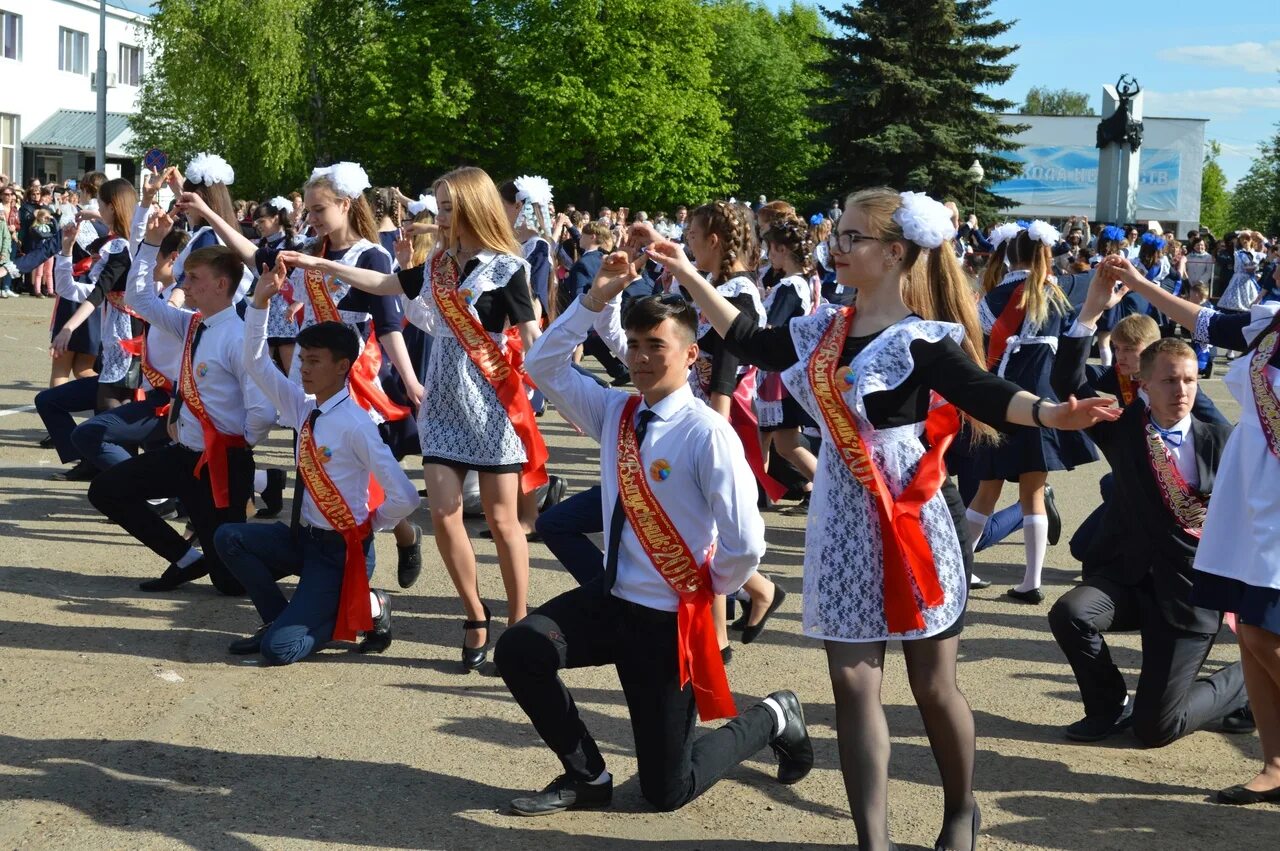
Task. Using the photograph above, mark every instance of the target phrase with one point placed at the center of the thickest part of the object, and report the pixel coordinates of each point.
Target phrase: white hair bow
(348, 178)
(210, 169)
(424, 202)
(923, 220)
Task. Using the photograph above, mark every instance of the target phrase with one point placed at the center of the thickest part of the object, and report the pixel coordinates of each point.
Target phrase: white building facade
(1059, 177)
(48, 99)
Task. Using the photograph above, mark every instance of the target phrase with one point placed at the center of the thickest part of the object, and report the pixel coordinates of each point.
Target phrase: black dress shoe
(175, 576)
(556, 488)
(939, 845)
(751, 633)
(83, 471)
(409, 560)
(379, 638)
(1240, 721)
(726, 654)
(46, 442)
(249, 644)
(1099, 726)
(1055, 518)
(474, 657)
(792, 745)
(977, 583)
(1034, 596)
(272, 496)
(565, 794)
(1239, 796)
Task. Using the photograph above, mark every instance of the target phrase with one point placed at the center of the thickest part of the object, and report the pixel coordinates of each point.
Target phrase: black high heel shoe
(474, 657)
(977, 825)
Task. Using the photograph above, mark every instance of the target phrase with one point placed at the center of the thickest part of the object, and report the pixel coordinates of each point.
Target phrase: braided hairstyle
(792, 234)
(385, 204)
(733, 232)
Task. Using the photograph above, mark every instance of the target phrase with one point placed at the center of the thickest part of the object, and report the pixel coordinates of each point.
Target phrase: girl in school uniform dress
(527, 200)
(1111, 240)
(1242, 290)
(872, 377)
(1023, 316)
(1237, 566)
(82, 348)
(274, 222)
(782, 418)
(473, 296)
(207, 177)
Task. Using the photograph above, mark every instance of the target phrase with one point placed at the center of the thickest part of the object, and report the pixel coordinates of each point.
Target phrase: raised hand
(269, 282)
(69, 236)
(1078, 414)
(614, 276)
(299, 260)
(175, 179)
(191, 201)
(152, 187)
(404, 248)
(671, 256)
(158, 226)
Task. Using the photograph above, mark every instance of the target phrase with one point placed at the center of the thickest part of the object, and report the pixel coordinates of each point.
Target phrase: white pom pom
(210, 169)
(1003, 233)
(1044, 232)
(923, 220)
(534, 189)
(348, 178)
(281, 203)
(424, 202)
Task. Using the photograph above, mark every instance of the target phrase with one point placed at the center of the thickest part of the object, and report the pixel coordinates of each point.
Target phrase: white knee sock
(1104, 354)
(976, 523)
(1035, 539)
(259, 481)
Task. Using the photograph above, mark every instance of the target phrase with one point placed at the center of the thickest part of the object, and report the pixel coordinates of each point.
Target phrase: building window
(73, 51)
(10, 36)
(130, 65)
(9, 145)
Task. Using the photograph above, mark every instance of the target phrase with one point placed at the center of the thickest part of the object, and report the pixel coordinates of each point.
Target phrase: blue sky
(1190, 64)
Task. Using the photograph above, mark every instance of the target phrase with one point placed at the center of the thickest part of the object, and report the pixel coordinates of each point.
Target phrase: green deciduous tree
(1255, 201)
(905, 103)
(765, 65)
(1042, 100)
(1215, 200)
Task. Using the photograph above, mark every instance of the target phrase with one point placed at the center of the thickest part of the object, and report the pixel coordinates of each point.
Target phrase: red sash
(1008, 325)
(906, 550)
(501, 370)
(1187, 507)
(354, 613)
(697, 648)
(134, 346)
(1127, 391)
(365, 390)
(1264, 397)
(216, 443)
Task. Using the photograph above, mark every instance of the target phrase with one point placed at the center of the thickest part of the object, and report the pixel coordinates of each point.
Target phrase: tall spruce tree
(905, 104)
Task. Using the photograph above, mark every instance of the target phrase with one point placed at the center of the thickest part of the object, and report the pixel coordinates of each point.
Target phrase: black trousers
(596, 347)
(583, 628)
(121, 493)
(1170, 702)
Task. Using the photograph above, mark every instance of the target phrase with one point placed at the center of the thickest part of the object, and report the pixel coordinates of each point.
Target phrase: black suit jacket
(1148, 542)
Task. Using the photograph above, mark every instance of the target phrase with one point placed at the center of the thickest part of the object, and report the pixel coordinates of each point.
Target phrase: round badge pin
(845, 374)
(660, 470)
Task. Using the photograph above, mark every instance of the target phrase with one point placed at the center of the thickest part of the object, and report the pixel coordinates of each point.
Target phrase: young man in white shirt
(217, 416)
(329, 542)
(676, 491)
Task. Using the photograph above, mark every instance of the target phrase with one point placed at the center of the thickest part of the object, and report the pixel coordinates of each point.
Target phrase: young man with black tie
(683, 526)
(218, 414)
(1163, 458)
(329, 542)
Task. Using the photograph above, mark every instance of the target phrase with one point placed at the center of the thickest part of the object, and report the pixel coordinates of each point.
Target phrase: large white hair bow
(210, 169)
(923, 220)
(424, 202)
(1042, 231)
(533, 189)
(281, 203)
(1001, 234)
(348, 178)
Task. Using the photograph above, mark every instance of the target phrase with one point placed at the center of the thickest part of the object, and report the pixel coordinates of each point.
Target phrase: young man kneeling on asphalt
(329, 543)
(683, 526)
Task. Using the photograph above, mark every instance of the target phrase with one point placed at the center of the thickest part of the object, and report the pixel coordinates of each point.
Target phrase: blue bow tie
(1172, 436)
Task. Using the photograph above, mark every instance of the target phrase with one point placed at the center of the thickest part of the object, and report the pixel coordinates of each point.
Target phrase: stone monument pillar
(1119, 143)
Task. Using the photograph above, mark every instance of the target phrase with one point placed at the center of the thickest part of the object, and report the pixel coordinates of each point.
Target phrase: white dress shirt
(231, 398)
(1184, 456)
(348, 439)
(709, 494)
(164, 351)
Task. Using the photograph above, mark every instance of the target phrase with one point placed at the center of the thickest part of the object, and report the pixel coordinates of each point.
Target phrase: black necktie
(175, 407)
(295, 521)
(619, 515)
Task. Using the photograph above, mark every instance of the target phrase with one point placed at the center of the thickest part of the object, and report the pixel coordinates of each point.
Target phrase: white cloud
(1211, 103)
(1250, 56)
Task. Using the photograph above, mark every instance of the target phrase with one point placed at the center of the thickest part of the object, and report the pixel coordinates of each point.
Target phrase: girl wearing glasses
(869, 376)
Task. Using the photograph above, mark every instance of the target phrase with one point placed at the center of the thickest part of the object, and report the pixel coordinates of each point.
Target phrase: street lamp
(976, 173)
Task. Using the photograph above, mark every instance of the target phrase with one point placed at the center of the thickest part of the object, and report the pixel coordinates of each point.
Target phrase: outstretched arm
(228, 232)
(369, 280)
